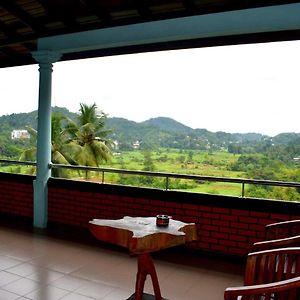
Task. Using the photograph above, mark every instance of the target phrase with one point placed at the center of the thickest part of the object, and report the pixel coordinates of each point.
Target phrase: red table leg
(145, 267)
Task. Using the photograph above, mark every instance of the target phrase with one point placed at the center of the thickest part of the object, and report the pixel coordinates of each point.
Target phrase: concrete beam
(247, 21)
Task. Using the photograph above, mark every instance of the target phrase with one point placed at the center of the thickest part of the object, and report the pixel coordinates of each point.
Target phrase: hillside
(19, 121)
(156, 132)
(168, 124)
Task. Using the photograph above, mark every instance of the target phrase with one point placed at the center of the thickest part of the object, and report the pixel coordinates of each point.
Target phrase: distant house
(136, 145)
(20, 134)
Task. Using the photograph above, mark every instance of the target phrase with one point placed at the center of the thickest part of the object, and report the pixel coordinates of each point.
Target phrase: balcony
(50, 267)
(68, 263)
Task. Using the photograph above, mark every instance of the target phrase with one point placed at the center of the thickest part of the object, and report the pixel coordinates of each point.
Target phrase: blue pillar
(40, 201)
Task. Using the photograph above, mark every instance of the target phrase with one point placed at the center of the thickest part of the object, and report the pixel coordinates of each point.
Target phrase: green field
(203, 163)
(184, 162)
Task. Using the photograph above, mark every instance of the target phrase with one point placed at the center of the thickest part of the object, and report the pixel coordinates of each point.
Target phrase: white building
(136, 145)
(20, 134)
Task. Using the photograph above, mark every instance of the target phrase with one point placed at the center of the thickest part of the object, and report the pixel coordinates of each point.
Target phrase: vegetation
(81, 142)
(162, 145)
(205, 163)
(90, 137)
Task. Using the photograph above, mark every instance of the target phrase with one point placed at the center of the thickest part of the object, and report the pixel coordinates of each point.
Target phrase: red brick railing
(16, 194)
(227, 225)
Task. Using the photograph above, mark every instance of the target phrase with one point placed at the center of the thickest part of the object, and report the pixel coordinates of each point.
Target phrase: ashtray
(162, 220)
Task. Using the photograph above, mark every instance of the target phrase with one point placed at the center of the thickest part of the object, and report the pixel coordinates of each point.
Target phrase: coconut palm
(62, 150)
(30, 154)
(90, 134)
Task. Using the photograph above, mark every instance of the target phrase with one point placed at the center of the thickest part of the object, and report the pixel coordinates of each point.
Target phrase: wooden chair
(273, 244)
(279, 235)
(272, 265)
(281, 290)
(282, 230)
(265, 272)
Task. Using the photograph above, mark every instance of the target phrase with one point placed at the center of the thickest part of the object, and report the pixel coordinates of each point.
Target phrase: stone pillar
(40, 201)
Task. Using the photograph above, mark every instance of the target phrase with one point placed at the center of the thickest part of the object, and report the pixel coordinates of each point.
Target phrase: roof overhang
(91, 28)
(187, 30)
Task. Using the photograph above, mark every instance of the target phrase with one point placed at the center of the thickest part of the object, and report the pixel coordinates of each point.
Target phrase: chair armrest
(282, 229)
(273, 244)
(291, 287)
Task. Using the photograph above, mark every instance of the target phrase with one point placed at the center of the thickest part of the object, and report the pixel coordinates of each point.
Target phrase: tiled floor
(47, 268)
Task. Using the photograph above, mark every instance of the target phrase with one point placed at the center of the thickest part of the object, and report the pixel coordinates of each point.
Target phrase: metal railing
(17, 162)
(167, 176)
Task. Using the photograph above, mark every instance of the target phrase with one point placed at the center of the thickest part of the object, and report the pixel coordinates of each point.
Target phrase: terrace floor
(45, 267)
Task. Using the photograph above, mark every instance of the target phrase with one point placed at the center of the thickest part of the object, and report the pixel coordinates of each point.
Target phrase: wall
(226, 225)
(16, 194)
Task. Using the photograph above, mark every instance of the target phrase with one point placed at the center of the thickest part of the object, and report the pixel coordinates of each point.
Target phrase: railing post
(167, 183)
(102, 177)
(243, 189)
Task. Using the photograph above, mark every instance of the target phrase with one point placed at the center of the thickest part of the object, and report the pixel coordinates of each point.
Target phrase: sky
(245, 88)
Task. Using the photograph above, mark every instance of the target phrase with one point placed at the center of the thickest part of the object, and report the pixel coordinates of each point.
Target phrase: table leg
(145, 267)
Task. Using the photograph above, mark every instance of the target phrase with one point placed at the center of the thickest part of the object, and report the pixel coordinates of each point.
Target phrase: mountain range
(156, 132)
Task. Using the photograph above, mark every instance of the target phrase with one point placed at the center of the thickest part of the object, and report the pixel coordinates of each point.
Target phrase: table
(142, 236)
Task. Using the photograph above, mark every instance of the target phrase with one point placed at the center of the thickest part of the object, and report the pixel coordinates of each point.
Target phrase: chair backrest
(282, 230)
(293, 241)
(282, 290)
(272, 265)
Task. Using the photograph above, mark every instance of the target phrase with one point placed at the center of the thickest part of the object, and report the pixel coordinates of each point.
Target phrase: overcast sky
(247, 88)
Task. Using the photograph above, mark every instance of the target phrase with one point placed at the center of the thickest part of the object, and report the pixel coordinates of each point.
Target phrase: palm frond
(28, 155)
(58, 158)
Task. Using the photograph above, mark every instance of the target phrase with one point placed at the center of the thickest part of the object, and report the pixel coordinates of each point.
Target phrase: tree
(90, 134)
(62, 149)
(148, 161)
(190, 157)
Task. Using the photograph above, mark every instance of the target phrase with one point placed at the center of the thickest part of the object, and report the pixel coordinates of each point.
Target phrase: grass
(176, 161)
(203, 163)
(182, 162)
(219, 188)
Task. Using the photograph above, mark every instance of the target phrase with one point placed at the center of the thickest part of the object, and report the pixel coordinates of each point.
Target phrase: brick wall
(16, 194)
(226, 225)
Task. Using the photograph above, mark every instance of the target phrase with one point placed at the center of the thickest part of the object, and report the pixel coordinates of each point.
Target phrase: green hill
(168, 124)
(158, 132)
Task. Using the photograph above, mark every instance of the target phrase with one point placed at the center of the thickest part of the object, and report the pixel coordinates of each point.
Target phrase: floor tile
(6, 278)
(45, 276)
(22, 286)
(24, 269)
(118, 294)
(7, 262)
(74, 296)
(37, 267)
(5, 295)
(47, 293)
(69, 283)
(95, 290)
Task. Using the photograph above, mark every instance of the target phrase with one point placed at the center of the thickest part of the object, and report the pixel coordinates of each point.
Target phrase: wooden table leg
(145, 267)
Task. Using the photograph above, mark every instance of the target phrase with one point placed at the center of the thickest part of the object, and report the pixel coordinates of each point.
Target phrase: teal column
(40, 201)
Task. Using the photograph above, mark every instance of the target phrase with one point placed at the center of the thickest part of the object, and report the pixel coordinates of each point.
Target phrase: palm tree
(30, 154)
(89, 133)
(62, 150)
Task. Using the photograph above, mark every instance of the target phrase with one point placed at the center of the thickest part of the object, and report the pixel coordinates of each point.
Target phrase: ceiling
(22, 22)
